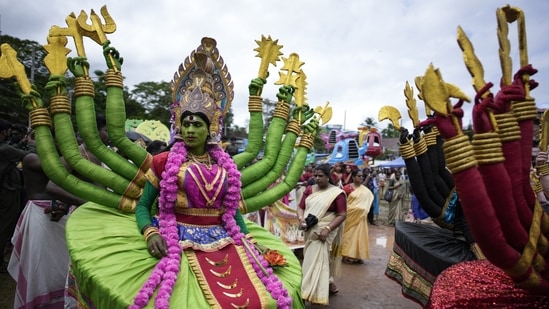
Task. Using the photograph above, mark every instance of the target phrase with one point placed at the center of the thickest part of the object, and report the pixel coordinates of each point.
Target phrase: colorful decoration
(491, 174)
(154, 130)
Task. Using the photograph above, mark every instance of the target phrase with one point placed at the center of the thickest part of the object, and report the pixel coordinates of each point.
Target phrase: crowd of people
(378, 180)
(15, 143)
(337, 204)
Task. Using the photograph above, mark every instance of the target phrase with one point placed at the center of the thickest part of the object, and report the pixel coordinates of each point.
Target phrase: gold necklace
(203, 159)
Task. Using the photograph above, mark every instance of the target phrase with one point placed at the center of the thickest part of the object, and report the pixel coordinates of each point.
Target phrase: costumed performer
(492, 174)
(102, 235)
(199, 232)
(209, 262)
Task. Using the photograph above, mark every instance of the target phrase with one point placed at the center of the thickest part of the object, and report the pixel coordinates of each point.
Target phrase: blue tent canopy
(396, 163)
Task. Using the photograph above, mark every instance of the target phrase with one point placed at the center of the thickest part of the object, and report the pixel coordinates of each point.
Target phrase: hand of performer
(57, 85)
(157, 246)
(311, 127)
(481, 110)
(256, 86)
(112, 56)
(78, 66)
(518, 78)
(404, 136)
(285, 94)
(306, 113)
(28, 100)
(445, 124)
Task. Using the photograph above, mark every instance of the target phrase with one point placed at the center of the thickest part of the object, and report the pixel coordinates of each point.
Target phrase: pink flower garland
(166, 271)
(271, 281)
(168, 223)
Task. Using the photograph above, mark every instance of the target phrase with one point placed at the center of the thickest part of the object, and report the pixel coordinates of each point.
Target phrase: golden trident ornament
(77, 28)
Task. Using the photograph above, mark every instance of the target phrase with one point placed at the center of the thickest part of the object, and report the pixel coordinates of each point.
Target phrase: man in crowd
(11, 184)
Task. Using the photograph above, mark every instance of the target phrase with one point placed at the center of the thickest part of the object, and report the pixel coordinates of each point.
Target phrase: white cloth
(39, 262)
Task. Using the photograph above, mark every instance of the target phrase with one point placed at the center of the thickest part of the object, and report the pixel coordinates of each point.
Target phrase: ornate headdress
(202, 84)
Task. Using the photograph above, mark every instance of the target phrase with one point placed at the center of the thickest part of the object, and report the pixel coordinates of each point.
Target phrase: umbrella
(134, 136)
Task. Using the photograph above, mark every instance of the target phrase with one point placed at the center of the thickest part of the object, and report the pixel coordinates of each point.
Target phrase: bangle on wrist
(328, 228)
(150, 231)
(151, 235)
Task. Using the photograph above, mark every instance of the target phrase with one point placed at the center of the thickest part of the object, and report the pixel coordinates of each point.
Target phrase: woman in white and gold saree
(321, 212)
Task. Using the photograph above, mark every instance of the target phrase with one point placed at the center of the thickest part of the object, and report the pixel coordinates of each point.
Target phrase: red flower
(274, 258)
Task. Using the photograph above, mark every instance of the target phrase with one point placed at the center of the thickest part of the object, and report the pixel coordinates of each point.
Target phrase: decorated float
(490, 249)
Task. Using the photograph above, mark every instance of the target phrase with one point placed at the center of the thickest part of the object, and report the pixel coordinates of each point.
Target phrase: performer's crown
(202, 84)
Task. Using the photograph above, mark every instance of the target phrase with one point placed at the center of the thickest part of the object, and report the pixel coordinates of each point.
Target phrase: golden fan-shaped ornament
(391, 113)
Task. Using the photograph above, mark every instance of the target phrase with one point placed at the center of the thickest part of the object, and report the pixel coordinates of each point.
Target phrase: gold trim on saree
(234, 295)
(200, 212)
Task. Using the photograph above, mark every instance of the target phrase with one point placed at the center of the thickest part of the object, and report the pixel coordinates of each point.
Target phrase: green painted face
(194, 131)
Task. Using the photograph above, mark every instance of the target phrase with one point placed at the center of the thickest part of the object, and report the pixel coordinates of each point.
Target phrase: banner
(281, 220)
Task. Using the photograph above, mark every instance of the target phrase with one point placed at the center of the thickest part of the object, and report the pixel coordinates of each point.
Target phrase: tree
(134, 108)
(268, 109)
(319, 144)
(369, 122)
(155, 98)
(390, 132)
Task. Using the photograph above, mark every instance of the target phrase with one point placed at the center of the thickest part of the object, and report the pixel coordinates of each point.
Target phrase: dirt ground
(360, 286)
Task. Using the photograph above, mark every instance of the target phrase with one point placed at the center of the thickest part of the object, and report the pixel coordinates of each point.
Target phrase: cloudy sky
(358, 54)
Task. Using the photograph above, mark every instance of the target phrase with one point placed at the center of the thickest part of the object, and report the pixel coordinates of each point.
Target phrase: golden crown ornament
(202, 84)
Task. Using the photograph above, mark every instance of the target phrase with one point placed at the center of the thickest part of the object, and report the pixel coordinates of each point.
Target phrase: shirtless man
(39, 239)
